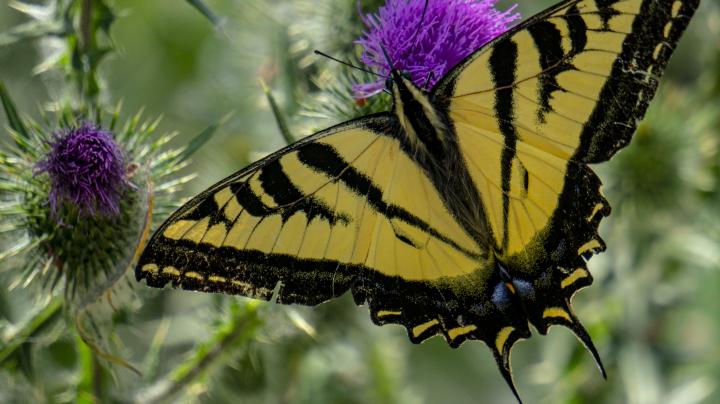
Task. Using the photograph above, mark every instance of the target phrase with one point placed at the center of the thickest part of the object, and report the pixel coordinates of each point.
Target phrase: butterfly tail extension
(502, 349)
(459, 312)
(577, 328)
(546, 282)
(562, 314)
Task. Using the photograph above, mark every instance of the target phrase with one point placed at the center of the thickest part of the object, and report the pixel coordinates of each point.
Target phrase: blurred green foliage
(653, 310)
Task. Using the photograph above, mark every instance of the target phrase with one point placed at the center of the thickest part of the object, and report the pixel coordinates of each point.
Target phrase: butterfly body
(468, 211)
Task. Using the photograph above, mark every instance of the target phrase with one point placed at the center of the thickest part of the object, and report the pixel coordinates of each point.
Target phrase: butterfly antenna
(317, 52)
(428, 80)
(387, 58)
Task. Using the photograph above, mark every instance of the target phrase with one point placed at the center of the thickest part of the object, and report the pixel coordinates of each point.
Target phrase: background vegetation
(653, 310)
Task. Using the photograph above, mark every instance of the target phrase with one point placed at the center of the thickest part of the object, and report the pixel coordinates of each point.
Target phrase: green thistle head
(79, 195)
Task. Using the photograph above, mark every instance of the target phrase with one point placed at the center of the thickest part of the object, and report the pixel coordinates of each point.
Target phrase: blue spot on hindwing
(524, 289)
(501, 297)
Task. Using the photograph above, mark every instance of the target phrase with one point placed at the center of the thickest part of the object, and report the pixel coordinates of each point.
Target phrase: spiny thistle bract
(79, 193)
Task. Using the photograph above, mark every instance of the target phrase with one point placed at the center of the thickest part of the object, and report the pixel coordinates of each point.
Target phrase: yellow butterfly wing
(531, 110)
(569, 85)
(345, 209)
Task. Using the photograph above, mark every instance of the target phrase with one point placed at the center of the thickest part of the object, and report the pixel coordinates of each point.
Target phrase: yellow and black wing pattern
(345, 209)
(531, 110)
(468, 212)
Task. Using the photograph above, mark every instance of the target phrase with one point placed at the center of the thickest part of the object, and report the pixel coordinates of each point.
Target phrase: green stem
(238, 330)
(97, 378)
(14, 120)
(23, 333)
(279, 119)
(85, 25)
(87, 55)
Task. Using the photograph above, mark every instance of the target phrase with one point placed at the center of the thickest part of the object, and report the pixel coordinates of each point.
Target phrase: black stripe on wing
(578, 29)
(324, 158)
(553, 61)
(290, 199)
(503, 65)
(607, 12)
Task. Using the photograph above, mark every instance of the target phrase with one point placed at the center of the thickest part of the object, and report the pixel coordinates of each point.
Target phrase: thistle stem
(85, 28)
(87, 55)
(97, 378)
(23, 333)
(239, 329)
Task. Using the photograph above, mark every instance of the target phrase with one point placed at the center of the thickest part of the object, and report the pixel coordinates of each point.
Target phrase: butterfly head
(398, 78)
(422, 124)
(399, 81)
(400, 85)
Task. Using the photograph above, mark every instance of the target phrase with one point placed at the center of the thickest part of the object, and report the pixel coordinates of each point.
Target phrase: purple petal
(86, 168)
(427, 49)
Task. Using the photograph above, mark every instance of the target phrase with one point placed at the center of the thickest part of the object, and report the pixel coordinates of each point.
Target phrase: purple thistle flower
(86, 168)
(427, 47)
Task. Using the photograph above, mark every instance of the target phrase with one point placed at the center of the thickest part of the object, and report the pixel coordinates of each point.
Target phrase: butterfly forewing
(345, 209)
(564, 88)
